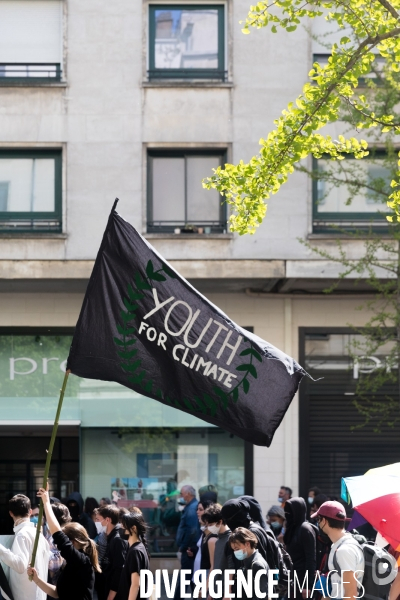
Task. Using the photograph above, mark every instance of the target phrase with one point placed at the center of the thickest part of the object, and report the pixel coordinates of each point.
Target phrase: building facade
(141, 100)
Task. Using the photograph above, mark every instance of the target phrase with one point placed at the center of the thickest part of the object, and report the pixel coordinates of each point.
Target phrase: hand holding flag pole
(47, 467)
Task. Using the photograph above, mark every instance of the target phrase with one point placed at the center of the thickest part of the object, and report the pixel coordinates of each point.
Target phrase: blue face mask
(240, 554)
(276, 526)
(280, 500)
(310, 500)
(34, 519)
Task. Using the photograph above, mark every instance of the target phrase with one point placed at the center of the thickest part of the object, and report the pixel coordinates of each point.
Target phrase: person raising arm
(77, 578)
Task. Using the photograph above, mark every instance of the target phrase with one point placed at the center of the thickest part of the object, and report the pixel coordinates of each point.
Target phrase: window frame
(56, 215)
(350, 221)
(181, 153)
(219, 74)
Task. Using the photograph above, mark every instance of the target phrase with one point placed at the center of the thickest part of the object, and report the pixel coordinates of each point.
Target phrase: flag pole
(47, 466)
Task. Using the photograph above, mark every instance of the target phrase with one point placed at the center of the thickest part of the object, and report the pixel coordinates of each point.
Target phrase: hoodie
(79, 516)
(300, 540)
(255, 510)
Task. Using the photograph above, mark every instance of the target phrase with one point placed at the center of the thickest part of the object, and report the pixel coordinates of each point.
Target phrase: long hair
(76, 533)
(135, 519)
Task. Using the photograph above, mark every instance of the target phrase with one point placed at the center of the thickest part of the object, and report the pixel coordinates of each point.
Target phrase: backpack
(379, 569)
(280, 560)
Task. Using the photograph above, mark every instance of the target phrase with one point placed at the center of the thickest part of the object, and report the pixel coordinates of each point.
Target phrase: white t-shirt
(350, 557)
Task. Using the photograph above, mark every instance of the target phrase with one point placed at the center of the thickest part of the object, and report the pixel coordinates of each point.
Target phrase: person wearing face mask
(236, 513)
(188, 531)
(285, 493)
(116, 550)
(215, 523)
(276, 520)
(204, 553)
(137, 557)
(243, 543)
(34, 518)
(101, 543)
(300, 542)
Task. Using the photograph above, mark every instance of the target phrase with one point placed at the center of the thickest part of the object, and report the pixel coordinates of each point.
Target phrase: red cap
(332, 510)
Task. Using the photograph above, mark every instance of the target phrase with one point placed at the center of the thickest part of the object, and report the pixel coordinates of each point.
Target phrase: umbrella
(365, 488)
(393, 469)
(384, 515)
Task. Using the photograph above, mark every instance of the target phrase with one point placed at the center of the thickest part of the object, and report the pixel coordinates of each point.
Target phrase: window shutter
(30, 31)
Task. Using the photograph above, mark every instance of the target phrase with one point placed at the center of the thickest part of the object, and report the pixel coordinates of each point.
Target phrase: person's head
(90, 505)
(19, 507)
(243, 543)
(188, 493)
(236, 513)
(135, 526)
(331, 518)
(61, 513)
(318, 501)
(312, 493)
(81, 541)
(285, 493)
(104, 501)
(34, 510)
(108, 516)
(212, 518)
(134, 509)
(276, 518)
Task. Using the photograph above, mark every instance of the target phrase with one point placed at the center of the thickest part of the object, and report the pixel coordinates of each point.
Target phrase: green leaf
(129, 305)
(137, 379)
(200, 404)
(132, 367)
(125, 316)
(148, 387)
(252, 352)
(223, 396)
(141, 284)
(134, 295)
(246, 386)
(150, 269)
(249, 368)
(118, 342)
(157, 277)
(128, 355)
(212, 405)
(235, 394)
(187, 404)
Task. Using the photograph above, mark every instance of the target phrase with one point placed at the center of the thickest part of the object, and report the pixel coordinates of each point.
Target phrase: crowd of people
(89, 546)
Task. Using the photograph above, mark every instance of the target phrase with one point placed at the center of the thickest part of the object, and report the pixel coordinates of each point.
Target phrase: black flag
(144, 326)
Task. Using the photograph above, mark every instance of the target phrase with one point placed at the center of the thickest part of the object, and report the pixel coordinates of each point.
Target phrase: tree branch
(390, 8)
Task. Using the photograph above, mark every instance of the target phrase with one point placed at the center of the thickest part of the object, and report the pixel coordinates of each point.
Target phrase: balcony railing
(30, 225)
(186, 228)
(35, 72)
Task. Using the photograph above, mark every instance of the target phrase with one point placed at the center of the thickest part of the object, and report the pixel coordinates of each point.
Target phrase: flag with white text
(144, 326)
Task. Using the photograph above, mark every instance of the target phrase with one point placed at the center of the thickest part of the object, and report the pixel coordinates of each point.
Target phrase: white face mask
(203, 527)
(214, 529)
(181, 507)
(100, 528)
(310, 500)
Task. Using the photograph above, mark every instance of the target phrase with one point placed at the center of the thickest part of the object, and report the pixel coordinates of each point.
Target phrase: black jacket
(300, 540)
(256, 563)
(114, 559)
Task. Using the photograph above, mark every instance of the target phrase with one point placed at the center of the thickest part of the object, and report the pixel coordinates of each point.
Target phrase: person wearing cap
(331, 518)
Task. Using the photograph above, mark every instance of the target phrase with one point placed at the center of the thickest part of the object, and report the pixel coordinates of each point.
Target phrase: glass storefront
(147, 468)
(131, 448)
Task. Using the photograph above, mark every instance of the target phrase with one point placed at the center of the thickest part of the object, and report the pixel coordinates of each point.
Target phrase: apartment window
(187, 41)
(30, 191)
(177, 201)
(30, 40)
(351, 206)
